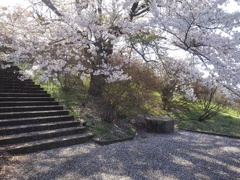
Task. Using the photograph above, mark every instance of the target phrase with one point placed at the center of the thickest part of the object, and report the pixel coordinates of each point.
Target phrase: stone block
(159, 125)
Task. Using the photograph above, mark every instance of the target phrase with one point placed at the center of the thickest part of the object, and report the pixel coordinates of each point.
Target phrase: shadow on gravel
(182, 155)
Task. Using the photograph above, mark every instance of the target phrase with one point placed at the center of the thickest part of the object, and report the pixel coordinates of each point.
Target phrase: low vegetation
(131, 99)
(226, 122)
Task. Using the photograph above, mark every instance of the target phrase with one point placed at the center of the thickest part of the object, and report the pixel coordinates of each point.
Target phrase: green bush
(135, 96)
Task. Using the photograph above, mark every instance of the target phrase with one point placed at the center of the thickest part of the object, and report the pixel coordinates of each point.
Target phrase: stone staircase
(30, 120)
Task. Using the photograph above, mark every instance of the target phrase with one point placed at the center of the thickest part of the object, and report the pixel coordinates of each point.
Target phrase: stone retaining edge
(209, 133)
(107, 142)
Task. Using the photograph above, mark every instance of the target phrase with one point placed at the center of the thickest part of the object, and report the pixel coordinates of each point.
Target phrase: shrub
(68, 81)
(212, 102)
(131, 97)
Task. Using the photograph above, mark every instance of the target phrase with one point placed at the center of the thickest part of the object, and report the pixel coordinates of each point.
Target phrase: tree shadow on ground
(181, 155)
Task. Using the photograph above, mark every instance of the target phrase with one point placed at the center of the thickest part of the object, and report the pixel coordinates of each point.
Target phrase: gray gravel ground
(182, 155)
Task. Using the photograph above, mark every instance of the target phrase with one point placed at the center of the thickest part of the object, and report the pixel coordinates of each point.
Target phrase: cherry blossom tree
(94, 34)
(207, 32)
(4, 38)
(177, 80)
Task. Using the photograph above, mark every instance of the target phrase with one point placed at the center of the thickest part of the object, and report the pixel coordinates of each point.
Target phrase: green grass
(101, 130)
(70, 100)
(73, 99)
(106, 131)
(130, 131)
(226, 122)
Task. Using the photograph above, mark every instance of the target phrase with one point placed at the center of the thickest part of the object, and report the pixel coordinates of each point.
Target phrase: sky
(232, 6)
(13, 2)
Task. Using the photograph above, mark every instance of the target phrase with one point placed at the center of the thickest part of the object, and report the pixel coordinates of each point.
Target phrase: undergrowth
(227, 122)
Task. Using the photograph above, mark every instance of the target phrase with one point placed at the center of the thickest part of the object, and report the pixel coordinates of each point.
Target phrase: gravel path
(182, 155)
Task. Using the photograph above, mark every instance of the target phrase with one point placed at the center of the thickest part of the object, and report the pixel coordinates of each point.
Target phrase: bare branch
(137, 10)
(141, 54)
(49, 4)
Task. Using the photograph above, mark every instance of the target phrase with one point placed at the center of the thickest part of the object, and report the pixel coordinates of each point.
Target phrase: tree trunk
(106, 111)
(97, 84)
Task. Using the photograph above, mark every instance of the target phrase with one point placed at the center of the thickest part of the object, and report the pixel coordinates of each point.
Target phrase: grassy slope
(70, 100)
(227, 122)
(73, 100)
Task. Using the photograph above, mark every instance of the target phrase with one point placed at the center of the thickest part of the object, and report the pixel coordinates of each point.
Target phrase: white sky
(13, 2)
(232, 6)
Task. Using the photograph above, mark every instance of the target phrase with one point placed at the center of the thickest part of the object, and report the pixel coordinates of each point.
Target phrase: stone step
(15, 83)
(13, 77)
(10, 115)
(6, 76)
(30, 108)
(39, 135)
(24, 94)
(15, 80)
(26, 99)
(19, 85)
(30, 120)
(27, 103)
(32, 88)
(48, 144)
(9, 72)
(10, 69)
(9, 130)
(35, 120)
(4, 90)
